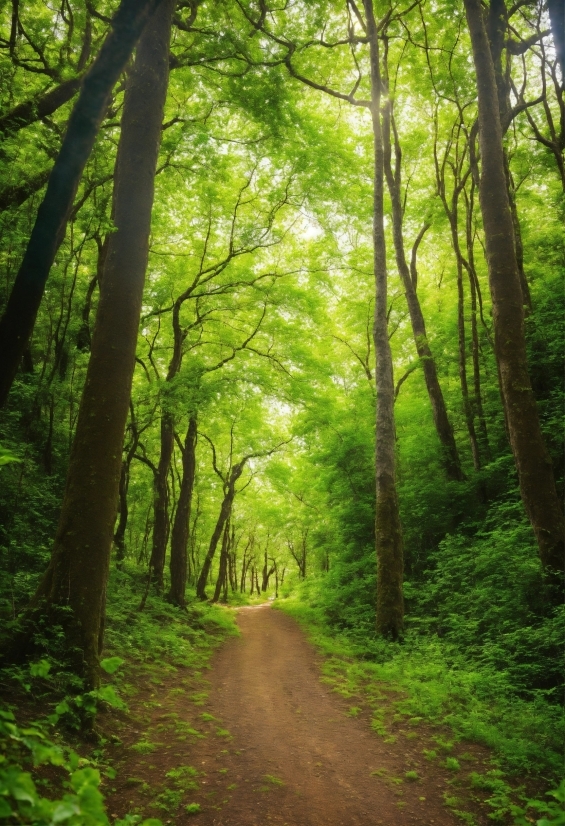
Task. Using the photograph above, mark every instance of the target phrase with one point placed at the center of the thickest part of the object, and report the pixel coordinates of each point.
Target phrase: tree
(77, 574)
(181, 523)
(533, 463)
(388, 532)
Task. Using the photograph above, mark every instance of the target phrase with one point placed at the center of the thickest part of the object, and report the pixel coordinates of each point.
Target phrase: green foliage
(441, 685)
(552, 811)
(81, 804)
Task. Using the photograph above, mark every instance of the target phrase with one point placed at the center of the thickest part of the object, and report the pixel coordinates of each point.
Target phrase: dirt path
(279, 747)
(289, 725)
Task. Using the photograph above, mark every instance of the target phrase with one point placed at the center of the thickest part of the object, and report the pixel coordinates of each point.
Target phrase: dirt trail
(279, 747)
(289, 725)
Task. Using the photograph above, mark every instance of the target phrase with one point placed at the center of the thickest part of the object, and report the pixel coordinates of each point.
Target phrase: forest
(281, 324)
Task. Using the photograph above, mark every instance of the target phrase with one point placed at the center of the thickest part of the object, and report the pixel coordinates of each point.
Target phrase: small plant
(452, 764)
(354, 711)
(444, 745)
(412, 775)
(275, 781)
(144, 747)
(169, 799)
(553, 810)
(192, 808)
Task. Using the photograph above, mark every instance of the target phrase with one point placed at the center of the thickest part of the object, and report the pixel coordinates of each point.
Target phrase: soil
(263, 740)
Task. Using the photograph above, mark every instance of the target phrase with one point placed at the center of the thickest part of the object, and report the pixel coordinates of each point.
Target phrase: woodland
(282, 317)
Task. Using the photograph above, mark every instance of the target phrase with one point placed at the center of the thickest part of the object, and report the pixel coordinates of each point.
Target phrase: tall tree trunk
(181, 524)
(462, 362)
(497, 31)
(123, 513)
(535, 473)
(450, 456)
(17, 322)
(390, 601)
(77, 574)
(223, 569)
(161, 524)
(473, 286)
(451, 208)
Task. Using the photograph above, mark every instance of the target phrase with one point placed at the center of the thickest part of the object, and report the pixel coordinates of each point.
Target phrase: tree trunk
(181, 524)
(223, 569)
(17, 322)
(450, 456)
(77, 574)
(462, 361)
(390, 601)
(535, 473)
(123, 513)
(161, 524)
(473, 286)
(225, 511)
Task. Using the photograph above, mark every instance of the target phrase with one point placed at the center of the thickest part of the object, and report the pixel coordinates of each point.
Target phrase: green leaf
(40, 669)
(111, 664)
(109, 695)
(64, 811)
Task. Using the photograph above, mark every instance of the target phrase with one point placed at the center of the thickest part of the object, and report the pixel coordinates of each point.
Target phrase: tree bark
(390, 600)
(161, 524)
(181, 524)
(473, 286)
(123, 513)
(77, 574)
(223, 570)
(17, 322)
(450, 456)
(462, 360)
(535, 473)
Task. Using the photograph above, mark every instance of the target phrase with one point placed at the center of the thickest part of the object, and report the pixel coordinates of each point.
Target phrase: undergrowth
(53, 769)
(426, 678)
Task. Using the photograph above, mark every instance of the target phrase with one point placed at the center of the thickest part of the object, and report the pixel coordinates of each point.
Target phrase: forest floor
(263, 737)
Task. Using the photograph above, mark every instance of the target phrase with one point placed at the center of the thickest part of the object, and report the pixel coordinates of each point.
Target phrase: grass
(423, 680)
